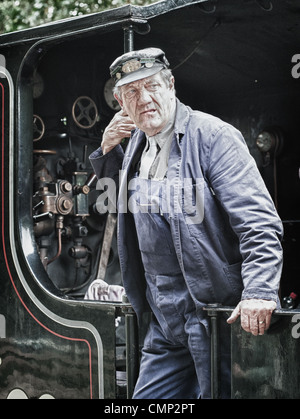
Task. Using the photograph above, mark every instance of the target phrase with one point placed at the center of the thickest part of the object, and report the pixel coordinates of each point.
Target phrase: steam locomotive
(236, 60)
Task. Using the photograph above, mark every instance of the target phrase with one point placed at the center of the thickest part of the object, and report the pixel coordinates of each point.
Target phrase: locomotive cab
(238, 62)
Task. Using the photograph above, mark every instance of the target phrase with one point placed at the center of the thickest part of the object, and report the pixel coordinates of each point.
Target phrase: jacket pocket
(193, 201)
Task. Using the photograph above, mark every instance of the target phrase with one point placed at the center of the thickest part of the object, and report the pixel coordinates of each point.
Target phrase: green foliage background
(21, 14)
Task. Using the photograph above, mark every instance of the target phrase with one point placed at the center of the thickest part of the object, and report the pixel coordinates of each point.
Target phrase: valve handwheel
(84, 112)
(38, 128)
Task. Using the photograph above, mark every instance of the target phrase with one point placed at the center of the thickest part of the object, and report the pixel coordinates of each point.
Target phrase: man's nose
(144, 96)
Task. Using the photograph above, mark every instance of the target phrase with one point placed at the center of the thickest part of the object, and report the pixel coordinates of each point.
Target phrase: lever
(40, 217)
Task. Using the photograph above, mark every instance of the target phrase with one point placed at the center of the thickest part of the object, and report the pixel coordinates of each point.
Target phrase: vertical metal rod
(214, 358)
(215, 351)
(128, 39)
(131, 327)
(132, 353)
(132, 347)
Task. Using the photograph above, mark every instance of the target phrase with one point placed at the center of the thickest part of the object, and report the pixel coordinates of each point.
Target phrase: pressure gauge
(265, 141)
(109, 96)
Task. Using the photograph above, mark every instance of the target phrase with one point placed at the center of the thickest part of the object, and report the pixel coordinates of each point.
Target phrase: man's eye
(153, 87)
(130, 93)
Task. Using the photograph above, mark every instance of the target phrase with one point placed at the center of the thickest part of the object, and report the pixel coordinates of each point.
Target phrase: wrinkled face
(149, 102)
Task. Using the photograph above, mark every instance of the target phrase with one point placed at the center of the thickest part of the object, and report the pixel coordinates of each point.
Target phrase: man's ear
(119, 100)
(172, 83)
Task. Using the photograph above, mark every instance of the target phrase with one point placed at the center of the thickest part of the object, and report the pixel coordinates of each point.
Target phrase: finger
(261, 326)
(124, 116)
(128, 127)
(265, 315)
(245, 321)
(234, 315)
(268, 318)
(124, 133)
(119, 128)
(122, 112)
(254, 325)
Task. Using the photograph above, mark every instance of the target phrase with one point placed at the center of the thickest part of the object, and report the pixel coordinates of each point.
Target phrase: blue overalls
(234, 254)
(175, 357)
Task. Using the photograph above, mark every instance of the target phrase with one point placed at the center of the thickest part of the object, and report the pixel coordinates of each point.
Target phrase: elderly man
(196, 226)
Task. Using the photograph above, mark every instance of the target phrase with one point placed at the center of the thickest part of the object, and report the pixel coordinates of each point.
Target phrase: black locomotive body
(239, 60)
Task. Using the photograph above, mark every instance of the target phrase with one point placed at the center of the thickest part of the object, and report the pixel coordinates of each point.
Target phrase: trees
(21, 14)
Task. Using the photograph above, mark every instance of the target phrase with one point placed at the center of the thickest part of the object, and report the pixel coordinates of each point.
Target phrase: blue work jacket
(225, 228)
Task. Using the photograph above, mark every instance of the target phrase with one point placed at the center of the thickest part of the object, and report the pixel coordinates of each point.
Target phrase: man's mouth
(148, 112)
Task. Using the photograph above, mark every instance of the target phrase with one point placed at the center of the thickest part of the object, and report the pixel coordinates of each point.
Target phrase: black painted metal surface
(266, 367)
(236, 60)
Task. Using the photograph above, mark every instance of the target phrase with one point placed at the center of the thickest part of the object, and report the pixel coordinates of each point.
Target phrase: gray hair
(165, 73)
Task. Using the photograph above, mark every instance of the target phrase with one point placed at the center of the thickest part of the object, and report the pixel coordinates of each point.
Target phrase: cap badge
(148, 62)
(131, 66)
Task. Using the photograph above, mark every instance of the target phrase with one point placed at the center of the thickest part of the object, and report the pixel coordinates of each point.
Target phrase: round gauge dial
(109, 96)
(264, 141)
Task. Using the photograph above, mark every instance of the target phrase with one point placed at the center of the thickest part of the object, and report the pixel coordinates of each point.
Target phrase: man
(196, 226)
